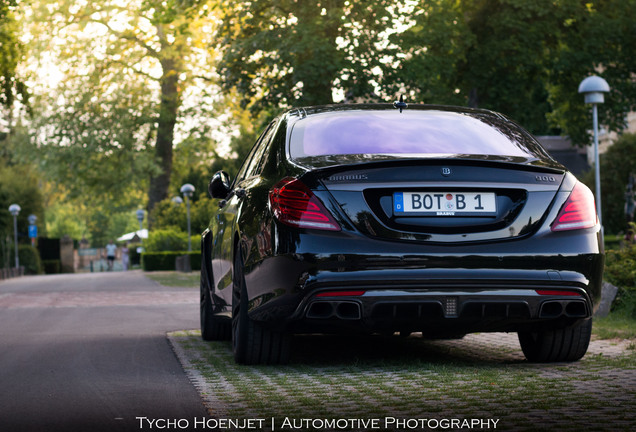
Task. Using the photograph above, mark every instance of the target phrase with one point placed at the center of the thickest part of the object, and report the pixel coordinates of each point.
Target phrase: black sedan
(395, 218)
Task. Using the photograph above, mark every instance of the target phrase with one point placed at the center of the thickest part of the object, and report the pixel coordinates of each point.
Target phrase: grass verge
(175, 279)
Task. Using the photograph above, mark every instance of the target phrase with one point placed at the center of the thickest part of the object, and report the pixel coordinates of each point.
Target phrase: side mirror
(219, 186)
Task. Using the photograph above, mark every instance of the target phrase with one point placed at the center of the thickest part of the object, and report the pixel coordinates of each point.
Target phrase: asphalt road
(88, 352)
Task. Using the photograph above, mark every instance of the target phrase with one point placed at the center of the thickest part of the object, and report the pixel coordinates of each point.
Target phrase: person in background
(111, 251)
(125, 256)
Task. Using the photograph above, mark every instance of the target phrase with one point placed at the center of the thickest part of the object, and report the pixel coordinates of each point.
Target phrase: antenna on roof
(400, 104)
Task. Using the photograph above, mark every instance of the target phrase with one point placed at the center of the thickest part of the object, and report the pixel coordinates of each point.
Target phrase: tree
(524, 59)
(599, 42)
(492, 54)
(126, 66)
(10, 53)
(277, 54)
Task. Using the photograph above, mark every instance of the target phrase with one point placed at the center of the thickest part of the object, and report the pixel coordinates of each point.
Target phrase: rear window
(424, 133)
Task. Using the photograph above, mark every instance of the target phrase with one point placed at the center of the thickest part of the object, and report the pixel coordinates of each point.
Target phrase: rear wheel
(253, 343)
(559, 345)
(213, 327)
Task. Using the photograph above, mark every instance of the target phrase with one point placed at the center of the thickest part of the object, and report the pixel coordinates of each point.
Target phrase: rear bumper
(442, 311)
(424, 287)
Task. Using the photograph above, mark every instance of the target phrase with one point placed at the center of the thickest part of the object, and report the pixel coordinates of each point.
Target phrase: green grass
(378, 377)
(175, 279)
(617, 325)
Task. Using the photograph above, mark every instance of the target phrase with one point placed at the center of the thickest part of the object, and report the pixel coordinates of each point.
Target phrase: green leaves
(278, 54)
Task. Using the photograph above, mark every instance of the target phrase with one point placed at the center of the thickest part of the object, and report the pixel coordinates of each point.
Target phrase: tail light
(295, 204)
(578, 212)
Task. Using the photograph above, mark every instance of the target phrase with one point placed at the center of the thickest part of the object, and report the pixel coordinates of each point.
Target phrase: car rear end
(432, 220)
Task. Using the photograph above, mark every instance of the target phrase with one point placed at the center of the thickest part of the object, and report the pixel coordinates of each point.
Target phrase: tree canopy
(279, 54)
(125, 68)
(130, 99)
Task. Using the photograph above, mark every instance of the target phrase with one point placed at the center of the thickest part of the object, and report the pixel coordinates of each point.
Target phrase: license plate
(444, 204)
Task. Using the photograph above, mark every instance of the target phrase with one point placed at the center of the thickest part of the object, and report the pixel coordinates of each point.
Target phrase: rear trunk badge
(446, 172)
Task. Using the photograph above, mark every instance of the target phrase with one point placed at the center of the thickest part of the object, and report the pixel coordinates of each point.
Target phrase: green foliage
(524, 59)
(163, 261)
(492, 54)
(63, 219)
(168, 215)
(162, 240)
(277, 54)
(10, 55)
(100, 145)
(599, 41)
(126, 71)
(620, 270)
(616, 166)
(30, 259)
(19, 184)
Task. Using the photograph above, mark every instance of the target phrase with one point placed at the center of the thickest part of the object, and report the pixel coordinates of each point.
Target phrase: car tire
(253, 343)
(213, 327)
(560, 345)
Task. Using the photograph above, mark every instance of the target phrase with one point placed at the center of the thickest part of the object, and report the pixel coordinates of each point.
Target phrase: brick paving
(597, 393)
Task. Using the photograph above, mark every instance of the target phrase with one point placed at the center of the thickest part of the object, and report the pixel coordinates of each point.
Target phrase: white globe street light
(140, 217)
(593, 88)
(14, 209)
(188, 190)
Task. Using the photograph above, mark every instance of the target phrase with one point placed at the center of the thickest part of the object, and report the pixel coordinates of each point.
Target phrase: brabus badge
(446, 172)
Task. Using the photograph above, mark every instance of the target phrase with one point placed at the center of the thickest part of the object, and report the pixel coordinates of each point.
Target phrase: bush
(30, 259)
(168, 239)
(157, 261)
(51, 266)
(620, 270)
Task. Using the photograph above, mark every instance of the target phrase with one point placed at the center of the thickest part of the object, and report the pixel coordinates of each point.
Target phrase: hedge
(30, 259)
(156, 261)
(51, 266)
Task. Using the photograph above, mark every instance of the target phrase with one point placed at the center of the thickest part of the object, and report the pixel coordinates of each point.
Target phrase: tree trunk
(170, 100)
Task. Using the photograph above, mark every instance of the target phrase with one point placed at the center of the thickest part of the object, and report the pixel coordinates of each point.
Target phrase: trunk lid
(441, 200)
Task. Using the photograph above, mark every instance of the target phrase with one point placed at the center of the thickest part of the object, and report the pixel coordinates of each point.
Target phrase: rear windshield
(423, 133)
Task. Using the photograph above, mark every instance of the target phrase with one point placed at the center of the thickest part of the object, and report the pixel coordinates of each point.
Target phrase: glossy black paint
(436, 275)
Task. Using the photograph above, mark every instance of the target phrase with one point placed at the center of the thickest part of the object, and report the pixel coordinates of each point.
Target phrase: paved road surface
(88, 352)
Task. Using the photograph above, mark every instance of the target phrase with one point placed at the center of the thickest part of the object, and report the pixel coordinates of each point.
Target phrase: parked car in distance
(392, 218)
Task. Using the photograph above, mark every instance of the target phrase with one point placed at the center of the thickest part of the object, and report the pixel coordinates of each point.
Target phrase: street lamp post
(188, 190)
(14, 209)
(140, 218)
(593, 88)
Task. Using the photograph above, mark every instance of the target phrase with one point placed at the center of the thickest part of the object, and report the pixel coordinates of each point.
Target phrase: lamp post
(140, 218)
(593, 88)
(188, 190)
(14, 209)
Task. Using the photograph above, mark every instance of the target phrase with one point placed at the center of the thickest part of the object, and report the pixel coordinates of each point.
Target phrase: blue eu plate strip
(398, 202)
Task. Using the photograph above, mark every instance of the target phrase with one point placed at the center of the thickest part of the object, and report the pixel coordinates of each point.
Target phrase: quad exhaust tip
(557, 308)
(344, 310)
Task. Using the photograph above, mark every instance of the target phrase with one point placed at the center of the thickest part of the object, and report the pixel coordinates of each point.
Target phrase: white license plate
(444, 204)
